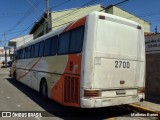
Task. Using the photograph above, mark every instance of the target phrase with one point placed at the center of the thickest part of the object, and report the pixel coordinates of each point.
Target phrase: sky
(18, 16)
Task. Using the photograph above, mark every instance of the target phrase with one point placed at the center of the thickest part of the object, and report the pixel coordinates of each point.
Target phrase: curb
(144, 110)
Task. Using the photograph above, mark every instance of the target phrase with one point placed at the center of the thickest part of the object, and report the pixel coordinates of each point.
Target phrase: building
(122, 13)
(152, 42)
(2, 54)
(60, 18)
(16, 42)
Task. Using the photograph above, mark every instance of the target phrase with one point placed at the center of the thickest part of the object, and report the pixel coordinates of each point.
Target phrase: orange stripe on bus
(29, 70)
(76, 24)
(62, 91)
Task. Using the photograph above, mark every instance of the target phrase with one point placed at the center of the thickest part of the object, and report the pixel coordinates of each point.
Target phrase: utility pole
(5, 49)
(48, 17)
(156, 29)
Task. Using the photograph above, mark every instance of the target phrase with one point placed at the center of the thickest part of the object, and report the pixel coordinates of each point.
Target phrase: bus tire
(44, 89)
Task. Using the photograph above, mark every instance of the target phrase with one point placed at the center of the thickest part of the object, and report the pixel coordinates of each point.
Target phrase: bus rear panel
(113, 62)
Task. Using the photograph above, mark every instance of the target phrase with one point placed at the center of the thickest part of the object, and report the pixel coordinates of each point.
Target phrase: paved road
(15, 96)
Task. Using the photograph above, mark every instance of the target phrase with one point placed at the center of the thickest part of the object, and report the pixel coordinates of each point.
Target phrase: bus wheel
(44, 89)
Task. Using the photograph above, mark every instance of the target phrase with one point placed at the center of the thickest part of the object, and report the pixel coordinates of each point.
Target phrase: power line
(10, 14)
(33, 6)
(1, 43)
(121, 2)
(37, 19)
(147, 15)
(24, 30)
(117, 4)
(25, 16)
(91, 2)
(83, 6)
(62, 3)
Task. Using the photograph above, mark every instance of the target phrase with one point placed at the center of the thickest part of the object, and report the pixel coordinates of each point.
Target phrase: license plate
(120, 92)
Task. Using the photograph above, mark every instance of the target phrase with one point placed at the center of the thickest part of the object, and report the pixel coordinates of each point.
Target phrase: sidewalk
(4, 70)
(146, 106)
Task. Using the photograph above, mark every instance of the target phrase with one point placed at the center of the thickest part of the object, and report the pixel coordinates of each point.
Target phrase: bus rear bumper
(104, 102)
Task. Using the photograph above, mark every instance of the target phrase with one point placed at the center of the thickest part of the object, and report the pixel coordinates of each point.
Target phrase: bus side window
(41, 48)
(76, 40)
(32, 51)
(29, 52)
(47, 47)
(54, 45)
(26, 52)
(16, 54)
(36, 51)
(63, 43)
(23, 53)
(19, 54)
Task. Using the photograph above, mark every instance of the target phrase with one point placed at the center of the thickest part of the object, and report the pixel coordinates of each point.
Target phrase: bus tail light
(102, 17)
(141, 90)
(92, 93)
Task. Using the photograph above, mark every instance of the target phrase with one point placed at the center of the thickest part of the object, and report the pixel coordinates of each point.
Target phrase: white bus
(96, 61)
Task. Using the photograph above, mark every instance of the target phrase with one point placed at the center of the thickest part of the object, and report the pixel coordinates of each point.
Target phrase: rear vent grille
(71, 89)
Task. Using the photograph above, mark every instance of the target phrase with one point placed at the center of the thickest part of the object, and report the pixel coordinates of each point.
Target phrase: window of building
(54, 45)
(63, 43)
(47, 47)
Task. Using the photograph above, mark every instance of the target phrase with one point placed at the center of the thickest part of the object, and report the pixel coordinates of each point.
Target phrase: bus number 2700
(122, 64)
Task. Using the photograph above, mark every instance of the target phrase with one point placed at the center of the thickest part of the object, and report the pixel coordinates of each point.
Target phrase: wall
(61, 17)
(39, 30)
(119, 12)
(2, 54)
(153, 66)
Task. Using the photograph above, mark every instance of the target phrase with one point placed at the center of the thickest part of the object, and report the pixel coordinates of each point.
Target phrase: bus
(95, 61)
